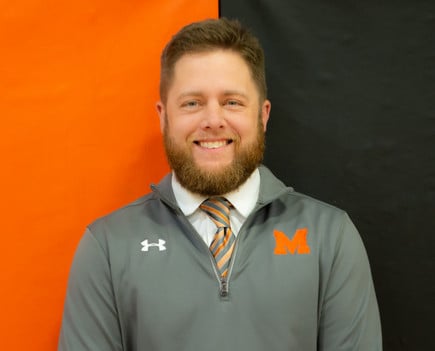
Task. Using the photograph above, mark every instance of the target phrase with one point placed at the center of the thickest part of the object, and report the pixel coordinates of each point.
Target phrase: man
(171, 271)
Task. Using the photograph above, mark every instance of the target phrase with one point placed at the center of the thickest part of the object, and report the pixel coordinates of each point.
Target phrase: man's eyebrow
(189, 93)
(195, 93)
(226, 93)
(235, 92)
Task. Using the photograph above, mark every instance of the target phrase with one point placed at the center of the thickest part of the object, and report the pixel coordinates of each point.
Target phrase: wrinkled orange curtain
(79, 138)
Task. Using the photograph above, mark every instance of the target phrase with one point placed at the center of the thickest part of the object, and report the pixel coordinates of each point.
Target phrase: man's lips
(207, 144)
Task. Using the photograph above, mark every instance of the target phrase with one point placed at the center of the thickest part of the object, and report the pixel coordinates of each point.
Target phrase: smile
(213, 144)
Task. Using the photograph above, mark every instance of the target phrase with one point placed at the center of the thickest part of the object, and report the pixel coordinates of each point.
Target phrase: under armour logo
(161, 245)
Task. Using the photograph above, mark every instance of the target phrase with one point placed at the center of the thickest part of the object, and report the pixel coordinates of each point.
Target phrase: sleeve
(349, 316)
(90, 321)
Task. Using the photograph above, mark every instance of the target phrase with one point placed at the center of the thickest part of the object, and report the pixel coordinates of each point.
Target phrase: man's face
(213, 122)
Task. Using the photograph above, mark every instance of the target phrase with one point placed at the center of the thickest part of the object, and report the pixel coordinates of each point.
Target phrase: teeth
(212, 144)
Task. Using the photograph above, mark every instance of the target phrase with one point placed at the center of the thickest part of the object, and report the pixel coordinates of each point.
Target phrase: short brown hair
(210, 35)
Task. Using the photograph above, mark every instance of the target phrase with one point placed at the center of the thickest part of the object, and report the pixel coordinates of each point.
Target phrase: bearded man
(221, 255)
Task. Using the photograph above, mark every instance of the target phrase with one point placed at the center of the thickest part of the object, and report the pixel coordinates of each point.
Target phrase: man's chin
(212, 175)
(213, 167)
(209, 180)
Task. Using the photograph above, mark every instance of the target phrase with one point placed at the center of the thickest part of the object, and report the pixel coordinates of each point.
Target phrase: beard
(215, 182)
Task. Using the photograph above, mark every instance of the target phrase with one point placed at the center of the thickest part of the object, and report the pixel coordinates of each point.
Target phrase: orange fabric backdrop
(79, 138)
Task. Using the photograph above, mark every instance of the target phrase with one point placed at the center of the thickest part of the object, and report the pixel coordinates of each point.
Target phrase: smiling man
(213, 121)
(221, 255)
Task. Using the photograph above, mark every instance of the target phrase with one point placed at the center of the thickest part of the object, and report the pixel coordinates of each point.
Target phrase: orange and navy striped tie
(218, 209)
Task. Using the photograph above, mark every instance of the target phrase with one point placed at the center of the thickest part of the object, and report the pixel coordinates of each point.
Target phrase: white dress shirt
(243, 199)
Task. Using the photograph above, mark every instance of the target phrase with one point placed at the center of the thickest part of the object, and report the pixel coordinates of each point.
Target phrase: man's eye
(233, 103)
(192, 103)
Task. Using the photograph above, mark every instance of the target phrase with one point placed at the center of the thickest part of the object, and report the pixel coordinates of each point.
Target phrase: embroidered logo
(146, 245)
(298, 244)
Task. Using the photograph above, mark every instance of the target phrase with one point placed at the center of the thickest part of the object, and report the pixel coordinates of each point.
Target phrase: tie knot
(218, 209)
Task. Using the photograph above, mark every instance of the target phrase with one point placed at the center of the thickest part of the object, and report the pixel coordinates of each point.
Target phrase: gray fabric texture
(121, 297)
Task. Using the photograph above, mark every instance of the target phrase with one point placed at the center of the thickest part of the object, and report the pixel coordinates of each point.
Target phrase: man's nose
(214, 116)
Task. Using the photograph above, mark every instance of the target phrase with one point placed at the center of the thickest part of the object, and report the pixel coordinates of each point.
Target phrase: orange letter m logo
(298, 244)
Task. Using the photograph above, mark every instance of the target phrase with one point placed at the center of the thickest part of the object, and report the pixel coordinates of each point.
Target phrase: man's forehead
(203, 54)
(226, 62)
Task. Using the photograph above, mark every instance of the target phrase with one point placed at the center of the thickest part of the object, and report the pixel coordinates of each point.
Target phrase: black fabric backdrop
(352, 86)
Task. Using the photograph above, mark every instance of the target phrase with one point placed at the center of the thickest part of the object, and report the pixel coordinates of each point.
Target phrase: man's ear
(265, 112)
(161, 112)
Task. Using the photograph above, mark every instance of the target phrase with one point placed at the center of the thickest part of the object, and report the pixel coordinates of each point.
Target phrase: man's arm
(90, 320)
(349, 316)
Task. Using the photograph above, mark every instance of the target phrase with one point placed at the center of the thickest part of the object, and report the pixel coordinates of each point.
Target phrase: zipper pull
(224, 288)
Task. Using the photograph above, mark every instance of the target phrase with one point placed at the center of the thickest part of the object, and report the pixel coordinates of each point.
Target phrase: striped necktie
(218, 209)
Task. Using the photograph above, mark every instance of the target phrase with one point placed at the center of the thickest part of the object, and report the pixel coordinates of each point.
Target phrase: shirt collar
(243, 198)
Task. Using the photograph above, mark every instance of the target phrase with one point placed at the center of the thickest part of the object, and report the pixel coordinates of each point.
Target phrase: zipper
(223, 287)
(223, 281)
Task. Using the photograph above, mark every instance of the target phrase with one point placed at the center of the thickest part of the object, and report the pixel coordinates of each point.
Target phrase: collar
(243, 198)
